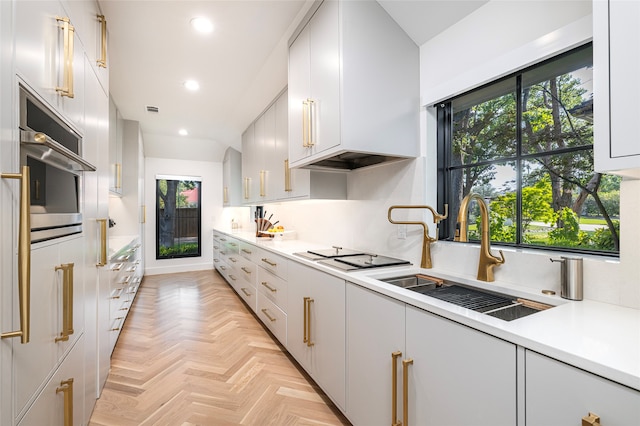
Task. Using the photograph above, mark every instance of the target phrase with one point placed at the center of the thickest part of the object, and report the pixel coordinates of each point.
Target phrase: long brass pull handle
(245, 270)
(266, 312)
(287, 176)
(268, 262)
(405, 390)
(246, 188)
(118, 176)
(67, 301)
(309, 341)
(246, 251)
(144, 214)
(24, 255)
(246, 293)
(305, 307)
(273, 290)
(102, 62)
(68, 33)
(103, 242)
(307, 123)
(66, 387)
(394, 388)
(591, 420)
(262, 183)
(225, 194)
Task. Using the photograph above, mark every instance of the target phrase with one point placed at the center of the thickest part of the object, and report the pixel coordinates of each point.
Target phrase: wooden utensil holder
(262, 225)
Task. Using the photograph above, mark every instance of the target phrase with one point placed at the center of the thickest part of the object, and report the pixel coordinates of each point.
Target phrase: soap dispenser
(570, 277)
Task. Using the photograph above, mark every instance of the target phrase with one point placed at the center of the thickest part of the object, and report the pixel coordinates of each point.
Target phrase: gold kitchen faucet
(487, 261)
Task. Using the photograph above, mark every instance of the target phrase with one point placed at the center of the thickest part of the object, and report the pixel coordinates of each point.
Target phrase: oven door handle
(24, 255)
(42, 147)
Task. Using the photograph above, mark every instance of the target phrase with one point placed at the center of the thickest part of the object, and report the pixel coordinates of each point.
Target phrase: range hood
(346, 161)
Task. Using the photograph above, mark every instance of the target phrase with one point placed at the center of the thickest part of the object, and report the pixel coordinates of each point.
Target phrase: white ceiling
(241, 66)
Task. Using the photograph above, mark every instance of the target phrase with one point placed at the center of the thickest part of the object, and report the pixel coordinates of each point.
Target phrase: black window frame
(444, 120)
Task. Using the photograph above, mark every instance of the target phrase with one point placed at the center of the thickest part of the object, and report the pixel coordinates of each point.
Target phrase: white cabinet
(61, 401)
(559, 394)
(57, 317)
(353, 85)
(448, 365)
(267, 175)
(316, 327)
(116, 140)
(616, 86)
(232, 178)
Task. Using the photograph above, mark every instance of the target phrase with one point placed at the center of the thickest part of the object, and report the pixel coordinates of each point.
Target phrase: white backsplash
(361, 223)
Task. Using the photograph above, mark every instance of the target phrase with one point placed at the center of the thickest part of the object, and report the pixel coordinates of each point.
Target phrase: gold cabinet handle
(118, 176)
(308, 302)
(103, 242)
(224, 268)
(246, 188)
(117, 296)
(66, 387)
(143, 216)
(405, 390)
(246, 270)
(67, 33)
(233, 278)
(266, 284)
(307, 123)
(268, 262)
(591, 420)
(305, 306)
(246, 251)
(263, 183)
(266, 313)
(117, 267)
(234, 260)
(394, 388)
(24, 255)
(102, 62)
(287, 176)
(225, 195)
(246, 293)
(67, 301)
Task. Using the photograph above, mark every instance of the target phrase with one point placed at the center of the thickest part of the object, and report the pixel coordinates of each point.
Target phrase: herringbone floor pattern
(191, 353)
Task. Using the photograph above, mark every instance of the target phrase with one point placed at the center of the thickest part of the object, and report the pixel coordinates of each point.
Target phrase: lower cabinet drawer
(272, 287)
(273, 318)
(246, 291)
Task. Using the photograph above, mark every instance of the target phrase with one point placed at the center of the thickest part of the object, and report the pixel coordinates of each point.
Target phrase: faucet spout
(487, 261)
(426, 239)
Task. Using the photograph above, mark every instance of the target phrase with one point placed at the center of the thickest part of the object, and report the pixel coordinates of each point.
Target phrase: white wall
(493, 41)
(211, 174)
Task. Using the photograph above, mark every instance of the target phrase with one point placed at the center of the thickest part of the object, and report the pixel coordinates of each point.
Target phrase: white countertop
(601, 338)
(117, 243)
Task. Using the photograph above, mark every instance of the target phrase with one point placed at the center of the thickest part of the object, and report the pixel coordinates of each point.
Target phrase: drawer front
(273, 318)
(274, 263)
(247, 270)
(249, 252)
(273, 287)
(230, 244)
(247, 292)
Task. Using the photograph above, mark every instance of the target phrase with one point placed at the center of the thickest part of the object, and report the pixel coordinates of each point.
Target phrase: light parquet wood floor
(191, 353)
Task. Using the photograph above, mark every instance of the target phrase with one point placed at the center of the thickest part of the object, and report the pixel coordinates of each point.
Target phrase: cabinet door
(298, 92)
(49, 408)
(249, 154)
(317, 301)
(559, 394)
(459, 376)
(116, 137)
(269, 162)
(375, 331)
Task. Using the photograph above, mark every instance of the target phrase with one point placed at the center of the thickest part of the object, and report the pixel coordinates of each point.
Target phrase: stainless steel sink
(497, 305)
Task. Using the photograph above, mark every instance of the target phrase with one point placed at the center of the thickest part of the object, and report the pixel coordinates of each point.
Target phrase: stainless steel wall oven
(52, 150)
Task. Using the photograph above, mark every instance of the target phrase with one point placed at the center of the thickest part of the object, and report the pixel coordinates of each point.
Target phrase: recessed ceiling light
(183, 132)
(202, 25)
(191, 85)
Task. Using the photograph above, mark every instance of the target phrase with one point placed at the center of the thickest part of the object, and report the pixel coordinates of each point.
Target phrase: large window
(525, 144)
(178, 217)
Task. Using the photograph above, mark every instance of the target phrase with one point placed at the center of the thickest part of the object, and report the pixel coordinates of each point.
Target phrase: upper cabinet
(353, 88)
(266, 172)
(116, 136)
(232, 178)
(616, 133)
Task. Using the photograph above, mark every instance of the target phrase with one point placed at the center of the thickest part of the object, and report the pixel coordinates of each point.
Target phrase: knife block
(262, 225)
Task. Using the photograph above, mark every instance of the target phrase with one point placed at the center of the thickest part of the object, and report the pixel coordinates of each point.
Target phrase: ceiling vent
(152, 109)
